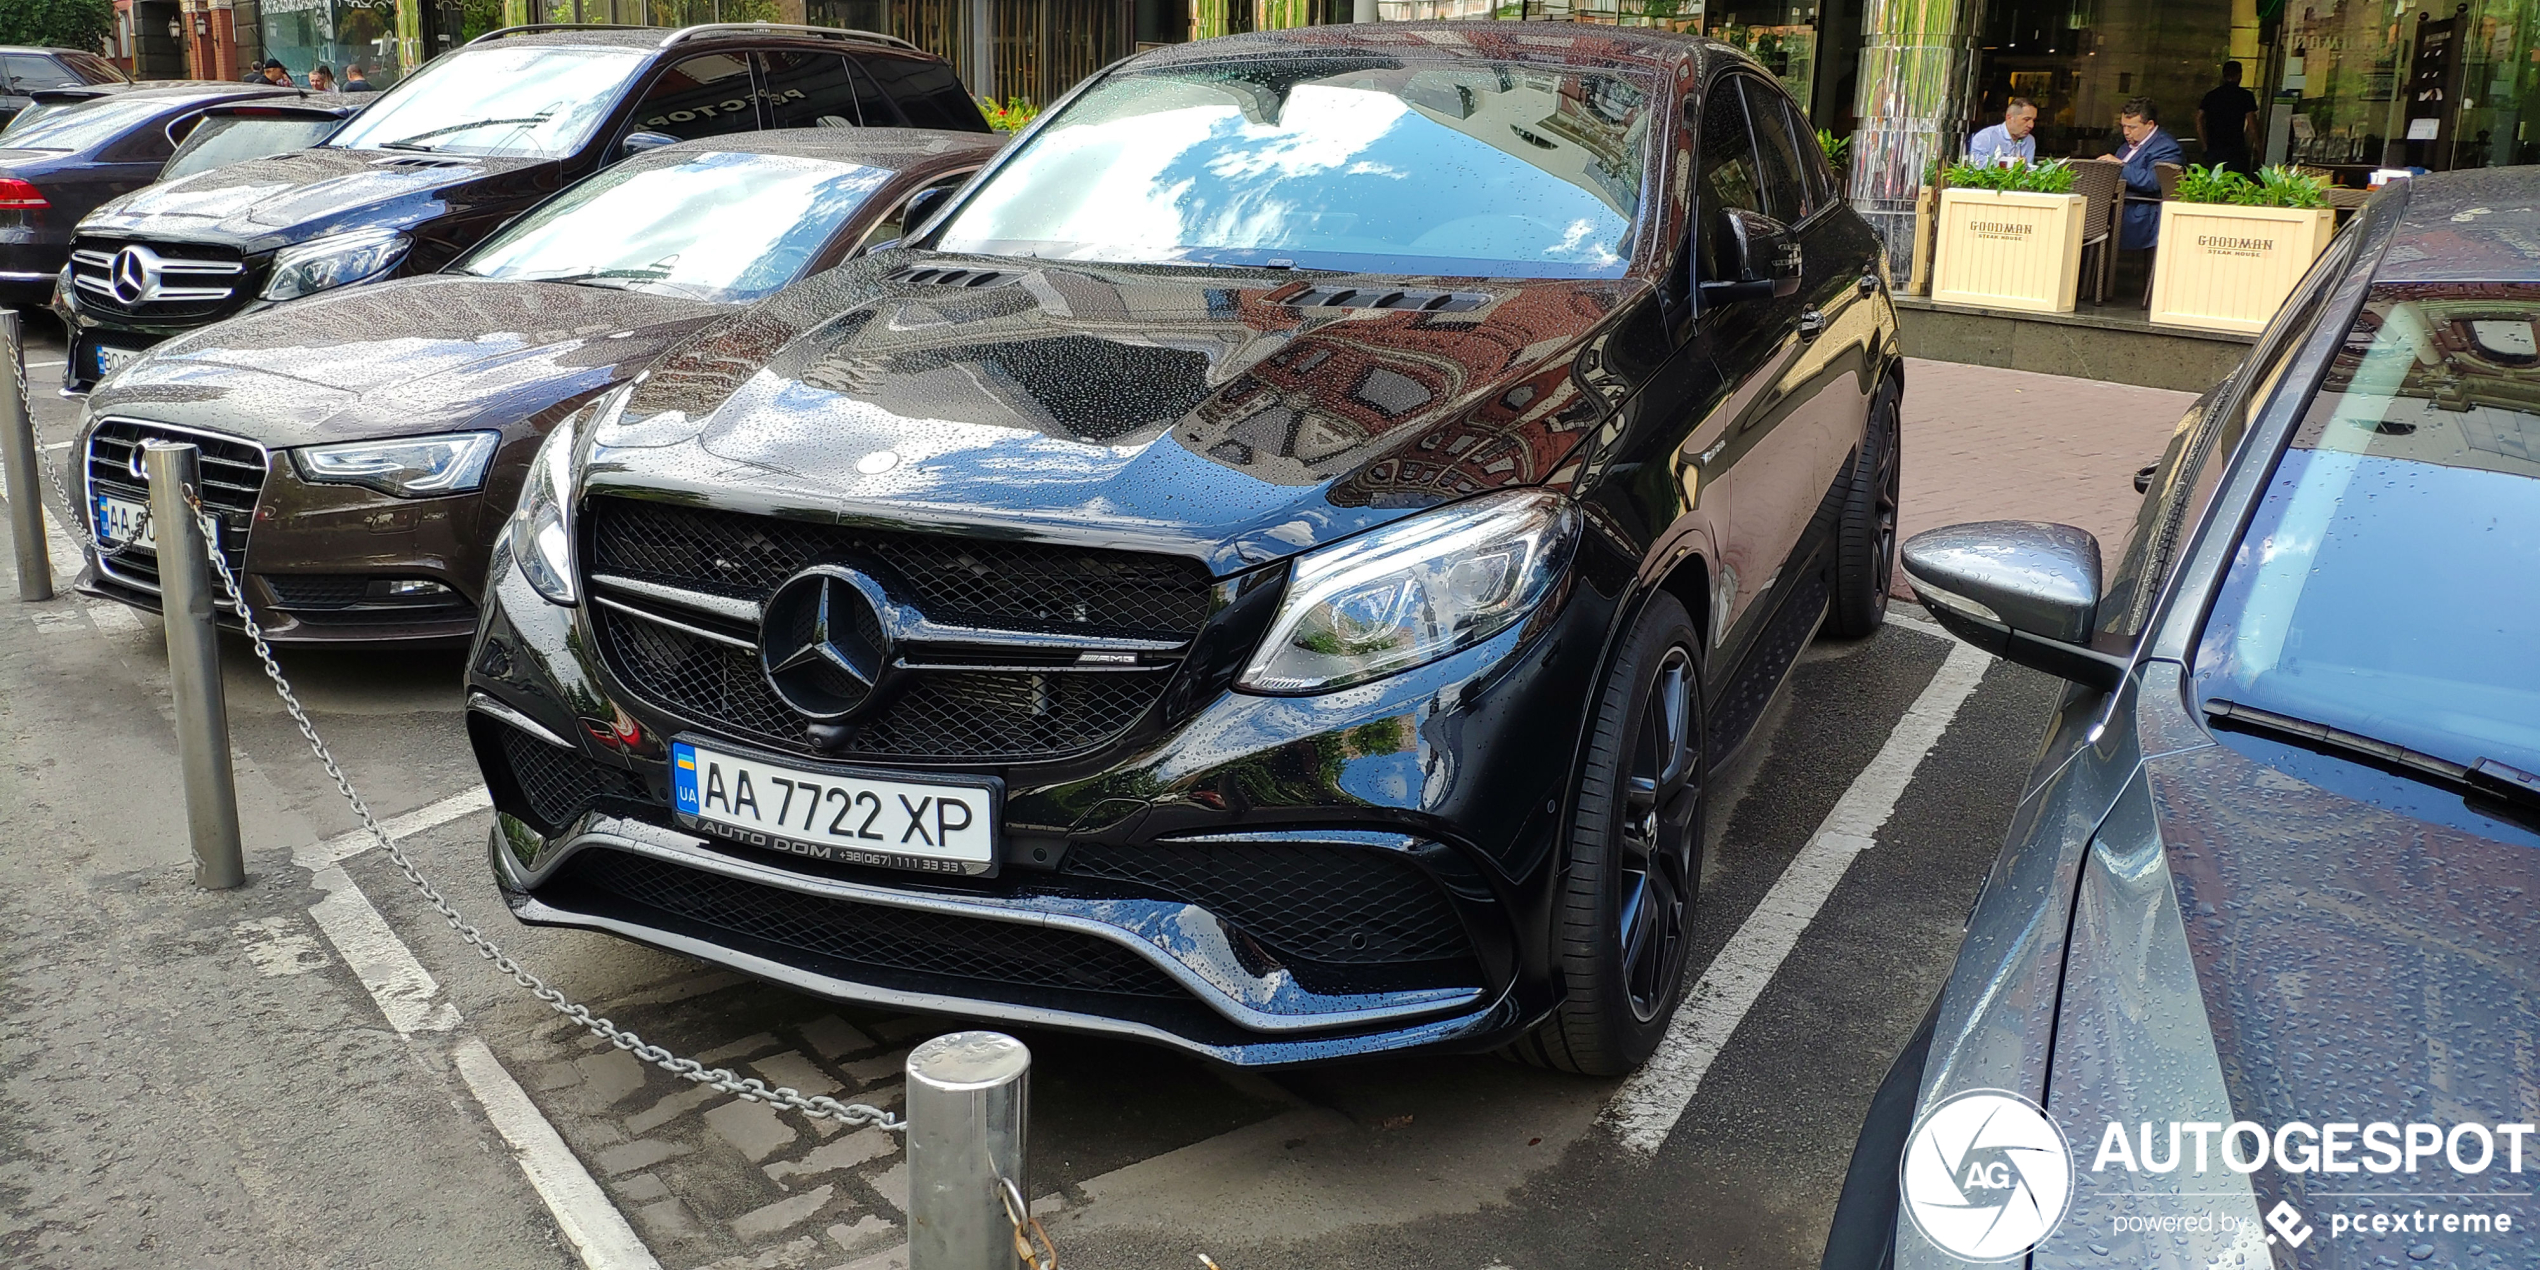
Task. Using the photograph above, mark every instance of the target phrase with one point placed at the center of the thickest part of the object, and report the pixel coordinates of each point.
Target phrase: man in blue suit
(2145, 145)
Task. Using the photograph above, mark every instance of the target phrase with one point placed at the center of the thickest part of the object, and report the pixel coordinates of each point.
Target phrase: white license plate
(119, 519)
(849, 817)
(111, 359)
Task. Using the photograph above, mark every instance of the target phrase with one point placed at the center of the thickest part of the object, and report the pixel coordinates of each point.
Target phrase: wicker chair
(2103, 184)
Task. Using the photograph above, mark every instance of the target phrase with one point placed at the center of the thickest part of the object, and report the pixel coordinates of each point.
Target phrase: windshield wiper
(2483, 776)
(601, 277)
(408, 143)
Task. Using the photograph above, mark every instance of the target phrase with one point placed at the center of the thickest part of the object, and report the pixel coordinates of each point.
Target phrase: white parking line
(406, 993)
(1645, 1110)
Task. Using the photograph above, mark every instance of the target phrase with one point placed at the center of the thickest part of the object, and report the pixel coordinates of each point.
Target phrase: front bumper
(319, 563)
(1458, 771)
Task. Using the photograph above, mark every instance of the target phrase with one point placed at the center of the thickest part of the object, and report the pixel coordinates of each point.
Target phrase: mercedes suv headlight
(1415, 591)
(409, 467)
(336, 260)
(540, 534)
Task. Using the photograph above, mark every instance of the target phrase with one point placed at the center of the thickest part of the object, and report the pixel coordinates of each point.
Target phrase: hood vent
(1386, 298)
(933, 276)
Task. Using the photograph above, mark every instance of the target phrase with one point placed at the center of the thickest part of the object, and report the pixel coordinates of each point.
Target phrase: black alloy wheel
(1625, 911)
(1865, 541)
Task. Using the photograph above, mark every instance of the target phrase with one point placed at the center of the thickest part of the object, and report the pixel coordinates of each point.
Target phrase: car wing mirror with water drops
(2023, 590)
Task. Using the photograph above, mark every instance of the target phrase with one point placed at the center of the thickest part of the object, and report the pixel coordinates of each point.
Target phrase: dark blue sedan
(2256, 979)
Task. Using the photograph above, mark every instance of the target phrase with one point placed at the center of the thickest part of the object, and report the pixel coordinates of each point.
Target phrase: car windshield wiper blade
(408, 143)
(599, 277)
(2485, 775)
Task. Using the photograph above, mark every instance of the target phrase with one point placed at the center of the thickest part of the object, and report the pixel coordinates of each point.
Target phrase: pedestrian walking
(2227, 123)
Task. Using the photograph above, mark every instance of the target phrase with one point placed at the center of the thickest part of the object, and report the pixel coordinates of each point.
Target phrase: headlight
(541, 531)
(410, 467)
(333, 261)
(1415, 591)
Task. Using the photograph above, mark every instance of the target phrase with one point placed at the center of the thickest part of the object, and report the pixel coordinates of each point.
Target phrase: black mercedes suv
(455, 151)
(1269, 567)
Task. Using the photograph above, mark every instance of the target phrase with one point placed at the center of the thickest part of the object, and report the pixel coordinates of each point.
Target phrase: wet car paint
(441, 354)
(1202, 413)
(2198, 925)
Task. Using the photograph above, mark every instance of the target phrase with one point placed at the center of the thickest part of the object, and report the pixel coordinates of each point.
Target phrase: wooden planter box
(2004, 250)
(1918, 279)
(2226, 268)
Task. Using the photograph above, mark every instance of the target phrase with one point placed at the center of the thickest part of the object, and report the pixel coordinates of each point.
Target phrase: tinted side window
(926, 91)
(1812, 158)
(810, 90)
(1786, 196)
(150, 142)
(28, 72)
(706, 96)
(1727, 166)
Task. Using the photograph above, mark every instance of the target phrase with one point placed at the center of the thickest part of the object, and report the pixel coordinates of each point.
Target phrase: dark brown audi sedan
(362, 447)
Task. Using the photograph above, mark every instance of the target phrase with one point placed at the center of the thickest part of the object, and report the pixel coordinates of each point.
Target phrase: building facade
(2342, 85)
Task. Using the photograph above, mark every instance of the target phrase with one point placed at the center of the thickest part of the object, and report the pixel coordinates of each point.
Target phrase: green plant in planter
(1009, 117)
(1838, 149)
(2201, 184)
(2055, 176)
(2284, 187)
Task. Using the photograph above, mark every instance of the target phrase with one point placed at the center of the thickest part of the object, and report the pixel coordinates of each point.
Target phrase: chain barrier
(722, 1079)
(1020, 1215)
(747, 1087)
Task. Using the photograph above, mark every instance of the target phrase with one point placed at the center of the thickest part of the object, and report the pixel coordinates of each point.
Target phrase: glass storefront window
(306, 34)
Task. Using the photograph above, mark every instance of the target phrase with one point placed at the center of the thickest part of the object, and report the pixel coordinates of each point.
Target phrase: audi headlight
(1415, 591)
(336, 260)
(410, 467)
(541, 531)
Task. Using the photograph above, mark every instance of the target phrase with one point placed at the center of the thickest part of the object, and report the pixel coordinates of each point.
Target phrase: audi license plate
(852, 817)
(120, 519)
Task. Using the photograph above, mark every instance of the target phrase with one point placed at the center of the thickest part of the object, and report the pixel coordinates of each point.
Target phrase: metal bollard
(969, 1095)
(17, 450)
(202, 714)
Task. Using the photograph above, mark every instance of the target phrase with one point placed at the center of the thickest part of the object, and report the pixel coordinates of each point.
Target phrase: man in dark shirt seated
(2226, 123)
(2145, 145)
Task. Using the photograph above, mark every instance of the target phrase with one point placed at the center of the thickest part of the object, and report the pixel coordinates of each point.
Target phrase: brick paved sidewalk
(1988, 444)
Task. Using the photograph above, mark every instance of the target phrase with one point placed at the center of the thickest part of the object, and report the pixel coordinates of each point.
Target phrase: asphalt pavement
(313, 1071)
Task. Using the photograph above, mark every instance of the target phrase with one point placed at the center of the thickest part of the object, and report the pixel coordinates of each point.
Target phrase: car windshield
(222, 141)
(725, 228)
(81, 125)
(2385, 585)
(1370, 166)
(530, 101)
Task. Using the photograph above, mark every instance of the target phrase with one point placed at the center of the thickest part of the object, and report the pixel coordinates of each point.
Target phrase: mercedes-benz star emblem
(821, 643)
(133, 277)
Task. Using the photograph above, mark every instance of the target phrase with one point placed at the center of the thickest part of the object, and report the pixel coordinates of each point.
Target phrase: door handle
(1812, 324)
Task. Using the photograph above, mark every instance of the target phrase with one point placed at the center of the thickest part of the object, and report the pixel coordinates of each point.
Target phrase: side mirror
(638, 142)
(923, 206)
(2023, 590)
(1760, 254)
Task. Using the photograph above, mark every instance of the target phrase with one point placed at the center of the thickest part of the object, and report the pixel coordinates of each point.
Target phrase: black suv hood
(422, 355)
(1204, 413)
(282, 199)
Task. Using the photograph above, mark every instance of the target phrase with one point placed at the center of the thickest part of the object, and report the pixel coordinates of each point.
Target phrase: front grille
(1340, 905)
(976, 581)
(233, 474)
(318, 590)
(193, 280)
(953, 714)
(556, 784)
(871, 935)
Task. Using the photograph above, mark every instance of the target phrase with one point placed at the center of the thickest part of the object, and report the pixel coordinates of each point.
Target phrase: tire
(1865, 537)
(1623, 919)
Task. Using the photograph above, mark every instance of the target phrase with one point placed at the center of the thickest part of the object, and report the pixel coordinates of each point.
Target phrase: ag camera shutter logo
(1987, 1175)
